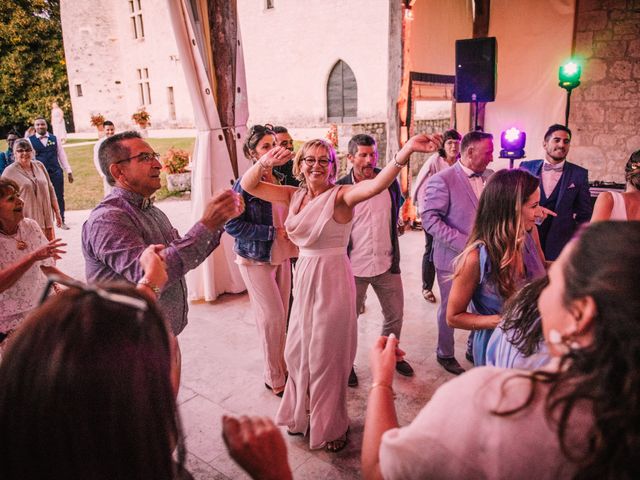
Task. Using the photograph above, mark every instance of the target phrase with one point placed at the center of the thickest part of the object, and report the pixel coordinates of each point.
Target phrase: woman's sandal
(338, 444)
(276, 392)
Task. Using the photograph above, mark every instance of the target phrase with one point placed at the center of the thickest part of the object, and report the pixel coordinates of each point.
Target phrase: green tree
(32, 67)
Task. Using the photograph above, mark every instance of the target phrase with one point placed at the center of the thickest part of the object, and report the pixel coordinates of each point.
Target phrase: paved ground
(222, 365)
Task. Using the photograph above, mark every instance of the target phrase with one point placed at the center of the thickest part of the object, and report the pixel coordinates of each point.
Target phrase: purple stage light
(512, 142)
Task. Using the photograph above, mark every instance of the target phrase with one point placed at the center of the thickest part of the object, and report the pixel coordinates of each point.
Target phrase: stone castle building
(313, 62)
(121, 56)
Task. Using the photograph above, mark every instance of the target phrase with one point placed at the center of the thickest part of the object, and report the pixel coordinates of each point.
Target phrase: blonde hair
(316, 143)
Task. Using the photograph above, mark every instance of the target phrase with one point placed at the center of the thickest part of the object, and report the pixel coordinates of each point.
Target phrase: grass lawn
(86, 190)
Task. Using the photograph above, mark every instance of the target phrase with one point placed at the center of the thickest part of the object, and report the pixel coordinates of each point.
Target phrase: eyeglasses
(119, 298)
(144, 157)
(322, 161)
(23, 150)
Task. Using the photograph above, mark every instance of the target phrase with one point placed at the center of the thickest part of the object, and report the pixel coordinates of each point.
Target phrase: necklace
(20, 244)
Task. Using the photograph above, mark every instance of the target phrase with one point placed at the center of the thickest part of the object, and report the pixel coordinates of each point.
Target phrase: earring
(564, 343)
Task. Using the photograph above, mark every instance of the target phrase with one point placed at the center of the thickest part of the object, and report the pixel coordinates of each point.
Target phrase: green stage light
(569, 75)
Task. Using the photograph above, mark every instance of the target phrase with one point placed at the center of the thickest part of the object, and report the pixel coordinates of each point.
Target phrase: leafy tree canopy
(32, 67)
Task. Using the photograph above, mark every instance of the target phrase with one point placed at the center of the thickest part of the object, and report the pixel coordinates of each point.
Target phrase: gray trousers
(388, 288)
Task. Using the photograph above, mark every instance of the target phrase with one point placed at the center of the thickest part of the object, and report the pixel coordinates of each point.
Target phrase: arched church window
(342, 94)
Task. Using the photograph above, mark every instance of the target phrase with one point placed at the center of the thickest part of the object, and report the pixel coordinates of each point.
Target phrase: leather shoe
(353, 378)
(403, 368)
(451, 365)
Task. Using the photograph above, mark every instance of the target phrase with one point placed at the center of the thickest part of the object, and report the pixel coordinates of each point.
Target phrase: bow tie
(147, 203)
(475, 175)
(547, 167)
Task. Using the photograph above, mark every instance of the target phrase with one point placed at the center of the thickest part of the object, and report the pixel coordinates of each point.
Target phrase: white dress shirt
(550, 178)
(476, 182)
(371, 249)
(62, 155)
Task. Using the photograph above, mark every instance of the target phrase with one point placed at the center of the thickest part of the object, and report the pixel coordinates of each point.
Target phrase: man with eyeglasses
(126, 222)
(49, 151)
(373, 246)
(6, 158)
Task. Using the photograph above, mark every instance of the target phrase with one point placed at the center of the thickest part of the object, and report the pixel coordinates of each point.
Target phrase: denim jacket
(253, 229)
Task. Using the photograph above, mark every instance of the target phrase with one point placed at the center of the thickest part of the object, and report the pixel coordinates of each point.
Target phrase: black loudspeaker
(476, 70)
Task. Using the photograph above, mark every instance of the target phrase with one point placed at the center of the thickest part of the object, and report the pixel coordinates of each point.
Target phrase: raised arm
(366, 189)
(464, 284)
(252, 179)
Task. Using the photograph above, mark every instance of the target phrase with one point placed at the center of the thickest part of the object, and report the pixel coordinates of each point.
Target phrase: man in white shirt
(109, 130)
(373, 246)
(564, 190)
(49, 151)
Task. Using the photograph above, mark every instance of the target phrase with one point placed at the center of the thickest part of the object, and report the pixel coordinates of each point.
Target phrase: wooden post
(480, 30)
(223, 32)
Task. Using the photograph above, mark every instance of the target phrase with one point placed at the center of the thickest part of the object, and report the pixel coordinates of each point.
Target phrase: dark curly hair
(632, 170)
(605, 374)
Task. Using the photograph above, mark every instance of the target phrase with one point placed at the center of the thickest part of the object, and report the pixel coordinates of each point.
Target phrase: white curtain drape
(212, 169)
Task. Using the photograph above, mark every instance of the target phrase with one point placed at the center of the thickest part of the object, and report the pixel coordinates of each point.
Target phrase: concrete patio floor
(222, 365)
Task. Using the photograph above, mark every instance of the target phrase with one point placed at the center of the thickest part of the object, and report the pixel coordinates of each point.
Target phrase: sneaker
(451, 365)
(403, 368)
(353, 378)
(64, 226)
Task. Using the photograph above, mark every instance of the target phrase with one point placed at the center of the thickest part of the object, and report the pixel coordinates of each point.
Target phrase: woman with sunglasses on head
(88, 386)
(579, 417)
(26, 257)
(36, 189)
(263, 256)
(500, 257)
(321, 342)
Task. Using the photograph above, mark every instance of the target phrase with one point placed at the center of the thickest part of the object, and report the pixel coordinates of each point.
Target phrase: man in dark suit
(450, 203)
(6, 158)
(564, 190)
(49, 151)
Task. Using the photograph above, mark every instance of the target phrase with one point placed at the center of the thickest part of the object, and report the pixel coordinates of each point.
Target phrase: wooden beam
(223, 32)
(480, 30)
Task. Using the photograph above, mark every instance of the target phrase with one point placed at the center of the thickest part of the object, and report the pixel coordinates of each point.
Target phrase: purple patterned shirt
(122, 226)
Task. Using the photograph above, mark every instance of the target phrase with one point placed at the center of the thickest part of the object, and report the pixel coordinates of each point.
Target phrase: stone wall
(605, 108)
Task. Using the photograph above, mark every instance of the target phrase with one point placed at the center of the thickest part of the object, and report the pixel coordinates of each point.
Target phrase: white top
(456, 435)
(62, 156)
(371, 249)
(434, 164)
(619, 210)
(550, 178)
(477, 182)
(22, 296)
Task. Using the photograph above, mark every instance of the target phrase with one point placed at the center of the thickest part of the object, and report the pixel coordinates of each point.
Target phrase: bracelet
(152, 286)
(383, 385)
(396, 163)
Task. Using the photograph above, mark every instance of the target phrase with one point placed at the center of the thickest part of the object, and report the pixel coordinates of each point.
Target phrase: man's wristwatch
(155, 288)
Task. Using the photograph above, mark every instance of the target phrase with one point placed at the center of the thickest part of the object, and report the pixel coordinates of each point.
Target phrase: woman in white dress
(621, 206)
(57, 123)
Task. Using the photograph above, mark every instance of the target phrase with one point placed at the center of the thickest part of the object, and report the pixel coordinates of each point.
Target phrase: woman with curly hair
(577, 418)
(501, 256)
(621, 206)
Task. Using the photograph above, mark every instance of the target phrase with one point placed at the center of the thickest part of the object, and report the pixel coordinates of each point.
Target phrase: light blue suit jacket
(448, 214)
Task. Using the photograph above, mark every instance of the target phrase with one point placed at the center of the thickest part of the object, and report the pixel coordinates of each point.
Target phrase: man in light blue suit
(450, 203)
(564, 189)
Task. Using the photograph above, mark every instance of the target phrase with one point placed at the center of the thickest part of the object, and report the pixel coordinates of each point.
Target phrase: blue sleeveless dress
(486, 299)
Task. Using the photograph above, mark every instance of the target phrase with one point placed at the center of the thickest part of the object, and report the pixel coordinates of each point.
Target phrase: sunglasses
(118, 298)
(144, 157)
(260, 130)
